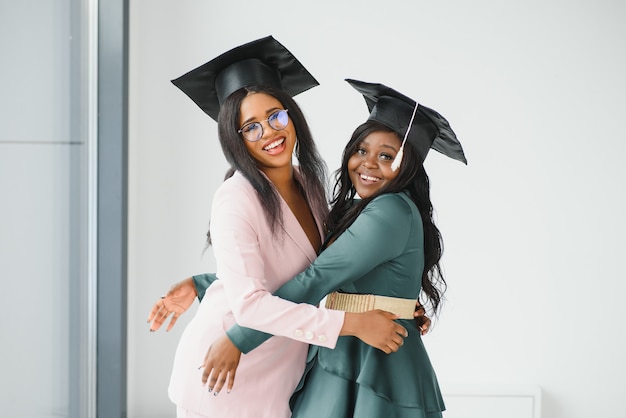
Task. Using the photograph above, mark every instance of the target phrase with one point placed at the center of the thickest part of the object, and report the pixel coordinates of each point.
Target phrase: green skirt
(356, 380)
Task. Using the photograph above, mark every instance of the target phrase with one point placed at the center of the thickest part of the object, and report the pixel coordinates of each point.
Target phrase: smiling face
(275, 147)
(369, 167)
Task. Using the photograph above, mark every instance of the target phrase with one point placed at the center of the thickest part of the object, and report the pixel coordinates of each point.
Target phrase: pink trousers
(183, 413)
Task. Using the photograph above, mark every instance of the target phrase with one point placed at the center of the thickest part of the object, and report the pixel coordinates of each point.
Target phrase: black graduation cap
(262, 62)
(428, 128)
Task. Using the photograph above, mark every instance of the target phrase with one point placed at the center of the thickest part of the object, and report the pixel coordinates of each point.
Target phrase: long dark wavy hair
(313, 172)
(411, 178)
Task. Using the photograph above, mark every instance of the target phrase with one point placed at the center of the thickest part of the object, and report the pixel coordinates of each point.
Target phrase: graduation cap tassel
(396, 161)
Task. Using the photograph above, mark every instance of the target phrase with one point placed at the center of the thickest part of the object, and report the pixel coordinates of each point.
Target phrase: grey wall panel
(35, 264)
(112, 198)
(35, 71)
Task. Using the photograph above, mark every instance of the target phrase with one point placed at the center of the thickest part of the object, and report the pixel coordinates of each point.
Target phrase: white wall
(533, 226)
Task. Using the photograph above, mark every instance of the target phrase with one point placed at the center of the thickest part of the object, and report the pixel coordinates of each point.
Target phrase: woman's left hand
(176, 302)
(220, 365)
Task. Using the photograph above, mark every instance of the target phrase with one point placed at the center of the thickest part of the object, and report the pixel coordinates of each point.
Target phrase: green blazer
(381, 253)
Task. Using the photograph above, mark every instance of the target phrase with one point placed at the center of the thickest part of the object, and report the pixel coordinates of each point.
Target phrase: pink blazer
(252, 263)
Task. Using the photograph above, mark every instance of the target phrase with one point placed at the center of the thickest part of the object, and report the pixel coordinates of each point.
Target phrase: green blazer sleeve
(379, 234)
(202, 283)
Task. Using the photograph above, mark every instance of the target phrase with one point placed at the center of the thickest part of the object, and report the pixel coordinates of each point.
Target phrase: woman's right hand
(220, 365)
(376, 328)
(421, 320)
(177, 300)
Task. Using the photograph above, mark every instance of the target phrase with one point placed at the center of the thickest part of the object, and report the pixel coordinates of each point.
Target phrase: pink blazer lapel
(294, 231)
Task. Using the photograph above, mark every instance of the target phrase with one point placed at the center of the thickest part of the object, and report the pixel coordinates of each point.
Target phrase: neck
(282, 178)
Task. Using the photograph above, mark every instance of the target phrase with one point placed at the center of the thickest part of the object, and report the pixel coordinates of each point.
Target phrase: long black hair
(411, 178)
(313, 172)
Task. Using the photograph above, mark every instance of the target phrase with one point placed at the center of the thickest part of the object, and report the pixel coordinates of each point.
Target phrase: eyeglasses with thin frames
(253, 131)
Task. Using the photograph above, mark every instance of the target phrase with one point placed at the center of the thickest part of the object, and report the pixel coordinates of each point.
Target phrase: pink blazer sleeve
(252, 263)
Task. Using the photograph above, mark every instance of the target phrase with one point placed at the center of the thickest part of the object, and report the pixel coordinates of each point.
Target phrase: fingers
(211, 377)
(159, 320)
(231, 380)
(419, 310)
(423, 323)
(219, 382)
(397, 328)
(383, 331)
(397, 337)
(216, 375)
(393, 344)
(401, 330)
(215, 379)
(388, 314)
(396, 344)
(207, 370)
(158, 315)
(154, 311)
(397, 341)
(173, 321)
(207, 374)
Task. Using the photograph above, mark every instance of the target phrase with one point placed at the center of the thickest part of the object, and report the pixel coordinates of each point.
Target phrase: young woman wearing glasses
(266, 226)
